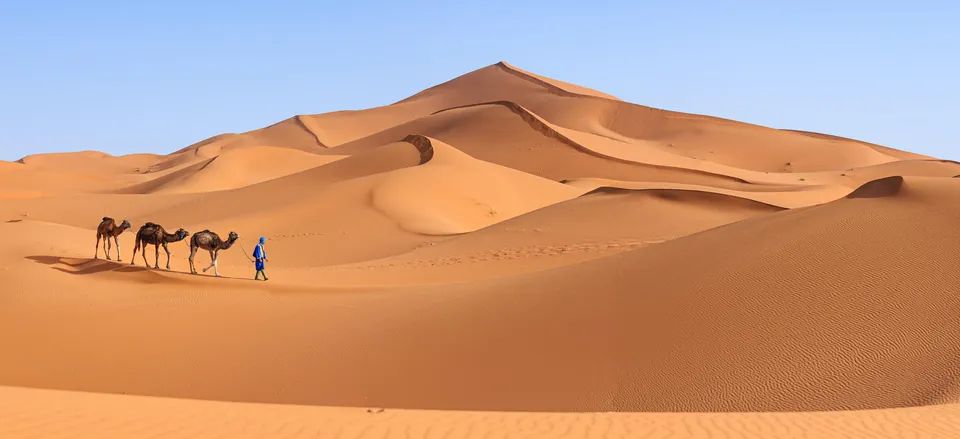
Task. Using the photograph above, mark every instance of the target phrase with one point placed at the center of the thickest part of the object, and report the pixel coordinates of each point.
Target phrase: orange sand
(525, 254)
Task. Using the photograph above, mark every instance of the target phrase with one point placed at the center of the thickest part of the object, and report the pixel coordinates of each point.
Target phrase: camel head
(182, 234)
(125, 225)
(233, 236)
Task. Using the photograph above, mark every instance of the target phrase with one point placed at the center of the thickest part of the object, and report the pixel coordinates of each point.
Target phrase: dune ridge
(552, 85)
(307, 125)
(504, 254)
(899, 154)
(544, 128)
(786, 197)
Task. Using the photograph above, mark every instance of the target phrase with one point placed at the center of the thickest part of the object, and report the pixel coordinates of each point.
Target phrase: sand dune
(19, 180)
(523, 142)
(701, 137)
(474, 194)
(290, 133)
(447, 192)
(89, 162)
(595, 225)
(524, 253)
(244, 167)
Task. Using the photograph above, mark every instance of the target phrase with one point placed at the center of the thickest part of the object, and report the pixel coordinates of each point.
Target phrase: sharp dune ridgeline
(503, 253)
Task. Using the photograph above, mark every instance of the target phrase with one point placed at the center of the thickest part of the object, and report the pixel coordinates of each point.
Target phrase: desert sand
(501, 255)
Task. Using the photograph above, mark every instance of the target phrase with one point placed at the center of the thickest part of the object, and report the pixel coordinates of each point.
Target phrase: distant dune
(501, 255)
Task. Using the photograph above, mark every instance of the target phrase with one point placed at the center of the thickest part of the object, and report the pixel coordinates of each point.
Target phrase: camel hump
(149, 224)
(204, 231)
(107, 218)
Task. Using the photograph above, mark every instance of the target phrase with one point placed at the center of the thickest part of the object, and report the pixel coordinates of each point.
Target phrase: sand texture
(501, 255)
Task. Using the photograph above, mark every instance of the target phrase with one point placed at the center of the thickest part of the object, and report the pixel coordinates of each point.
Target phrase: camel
(108, 229)
(151, 233)
(211, 242)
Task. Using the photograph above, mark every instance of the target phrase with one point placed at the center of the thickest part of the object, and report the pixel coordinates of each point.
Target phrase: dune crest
(552, 85)
(902, 155)
(787, 197)
(564, 136)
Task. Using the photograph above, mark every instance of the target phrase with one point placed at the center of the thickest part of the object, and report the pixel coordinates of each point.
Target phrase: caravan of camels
(154, 234)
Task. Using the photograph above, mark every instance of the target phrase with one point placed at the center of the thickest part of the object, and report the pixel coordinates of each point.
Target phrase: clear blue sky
(128, 76)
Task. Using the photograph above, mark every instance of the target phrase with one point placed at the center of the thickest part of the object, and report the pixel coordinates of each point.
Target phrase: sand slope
(243, 167)
(503, 242)
(690, 324)
(599, 224)
(474, 194)
(45, 414)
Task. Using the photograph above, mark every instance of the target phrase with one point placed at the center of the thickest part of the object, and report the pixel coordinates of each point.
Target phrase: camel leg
(136, 246)
(216, 267)
(168, 254)
(211, 262)
(156, 263)
(144, 254)
(96, 250)
(116, 241)
(105, 242)
(193, 252)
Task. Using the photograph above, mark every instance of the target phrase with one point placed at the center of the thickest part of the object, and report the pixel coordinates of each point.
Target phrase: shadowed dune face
(884, 187)
(503, 241)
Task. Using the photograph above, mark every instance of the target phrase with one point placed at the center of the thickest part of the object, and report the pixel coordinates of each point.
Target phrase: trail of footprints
(512, 253)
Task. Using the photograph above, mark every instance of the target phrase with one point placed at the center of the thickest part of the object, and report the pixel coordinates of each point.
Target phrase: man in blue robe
(260, 256)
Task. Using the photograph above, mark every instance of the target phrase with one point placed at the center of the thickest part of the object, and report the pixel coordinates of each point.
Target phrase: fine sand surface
(50, 414)
(502, 255)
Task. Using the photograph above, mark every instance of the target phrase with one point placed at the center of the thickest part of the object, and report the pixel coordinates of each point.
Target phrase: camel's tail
(193, 240)
(137, 239)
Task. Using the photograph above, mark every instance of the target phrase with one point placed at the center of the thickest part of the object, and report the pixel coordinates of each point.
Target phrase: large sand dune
(529, 253)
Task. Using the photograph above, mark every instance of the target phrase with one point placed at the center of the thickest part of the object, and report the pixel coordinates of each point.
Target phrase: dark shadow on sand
(85, 266)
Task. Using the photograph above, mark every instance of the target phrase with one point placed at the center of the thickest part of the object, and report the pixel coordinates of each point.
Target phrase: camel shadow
(83, 266)
(86, 266)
